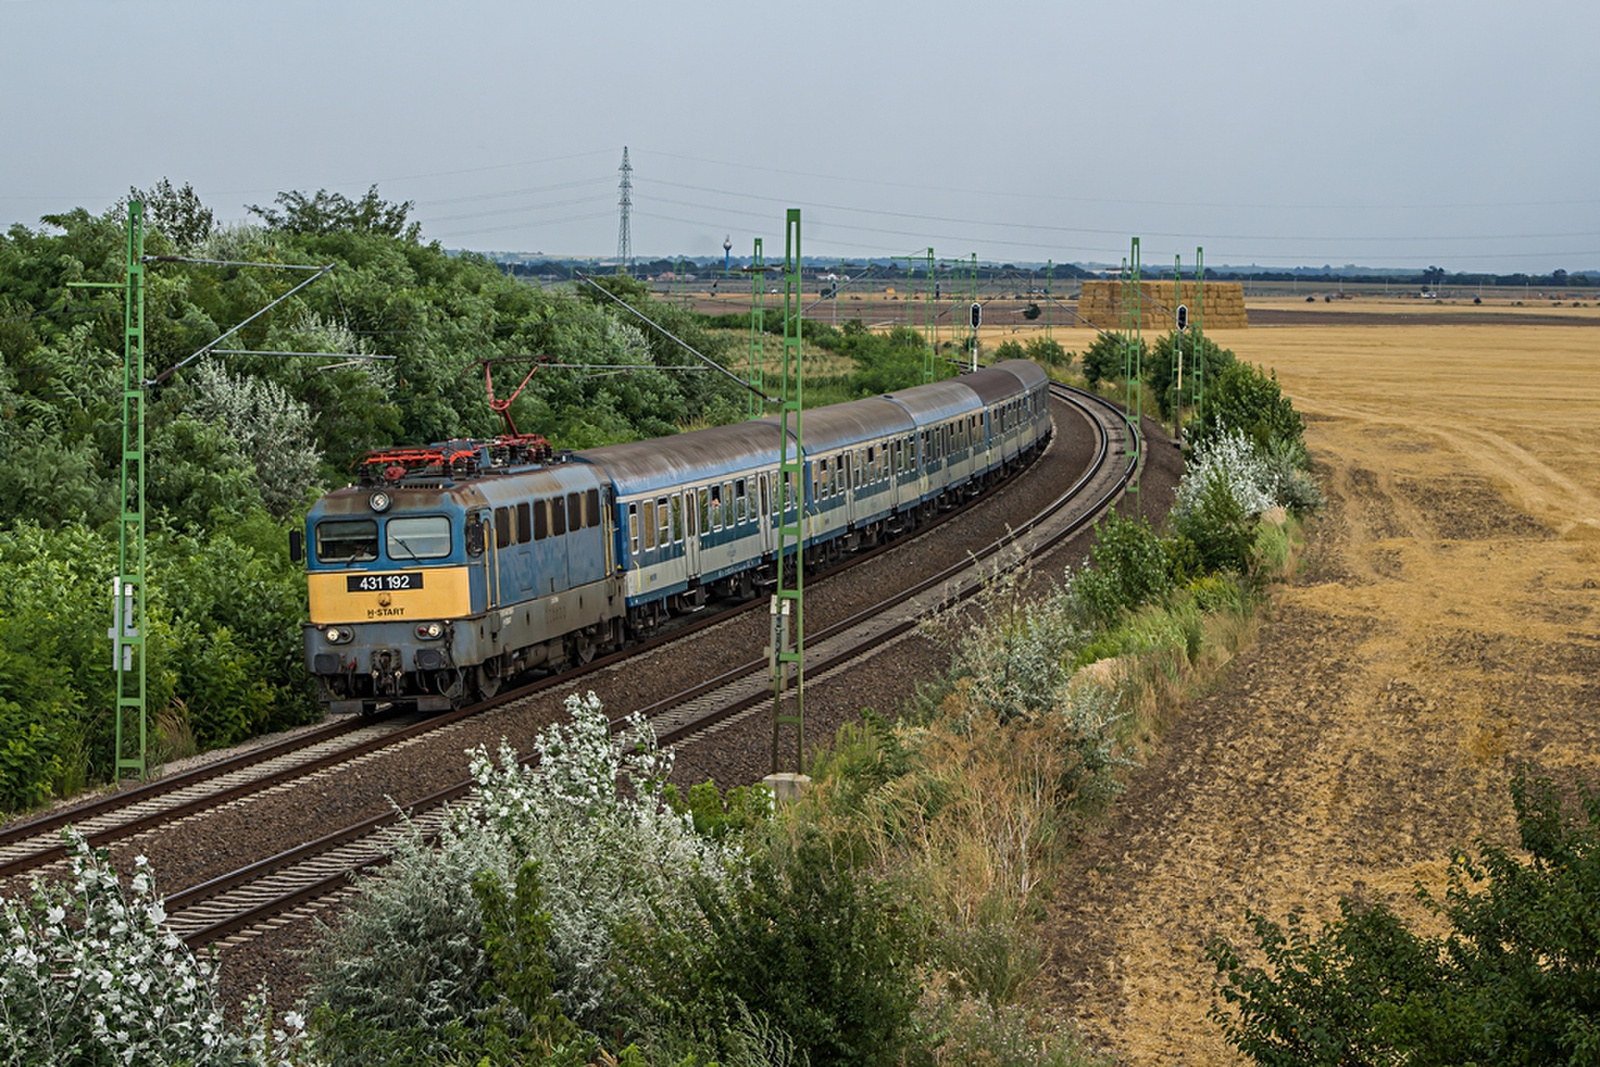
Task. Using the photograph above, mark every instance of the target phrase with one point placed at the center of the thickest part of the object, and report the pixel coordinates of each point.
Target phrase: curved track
(312, 874)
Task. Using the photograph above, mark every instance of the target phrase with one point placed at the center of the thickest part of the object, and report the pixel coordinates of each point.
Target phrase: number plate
(382, 583)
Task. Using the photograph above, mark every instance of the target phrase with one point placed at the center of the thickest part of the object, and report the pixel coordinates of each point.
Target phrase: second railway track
(305, 877)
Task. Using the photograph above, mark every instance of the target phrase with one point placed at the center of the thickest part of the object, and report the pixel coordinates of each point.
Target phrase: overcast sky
(1462, 134)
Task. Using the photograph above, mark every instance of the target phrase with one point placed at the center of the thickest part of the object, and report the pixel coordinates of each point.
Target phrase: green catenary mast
(1199, 332)
(758, 323)
(788, 602)
(929, 321)
(1132, 366)
(128, 600)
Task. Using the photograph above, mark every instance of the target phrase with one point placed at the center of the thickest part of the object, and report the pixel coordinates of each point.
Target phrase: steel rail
(56, 850)
(338, 881)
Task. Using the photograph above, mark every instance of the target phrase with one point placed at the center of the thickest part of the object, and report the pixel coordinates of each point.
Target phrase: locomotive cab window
(541, 520)
(558, 516)
(591, 508)
(574, 511)
(524, 524)
(502, 527)
(347, 540)
(424, 537)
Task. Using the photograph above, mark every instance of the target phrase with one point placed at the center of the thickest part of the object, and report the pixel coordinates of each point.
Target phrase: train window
(663, 523)
(423, 537)
(574, 511)
(558, 516)
(347, 540)
(727, 503)
(633, 529)
(541, 519)
(740, 502)
(705, 511)
(502, 527)
(689, 512)
(857, 470)
(591, 508)
(716, 507)
(677, 519)
(766, 506)
(648, 523)
(524, 524)
(826, 487)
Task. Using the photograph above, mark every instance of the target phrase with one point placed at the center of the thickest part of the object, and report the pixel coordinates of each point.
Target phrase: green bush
(1219, 527)
(1515, 981)
(1106, 358)
(1009, 349)
(1128, 568)
(1198, 350)
(820, 951)
(975, 1032)
(1048, 351)
(1245, 398)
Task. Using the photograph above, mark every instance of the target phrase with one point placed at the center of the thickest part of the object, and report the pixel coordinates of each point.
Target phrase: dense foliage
(238, 445)
(1515, 981)
(91, 975)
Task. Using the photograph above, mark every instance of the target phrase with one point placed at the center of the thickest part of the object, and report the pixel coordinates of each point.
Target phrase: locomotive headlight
(379, 502)
(338, 635)
(430, 631)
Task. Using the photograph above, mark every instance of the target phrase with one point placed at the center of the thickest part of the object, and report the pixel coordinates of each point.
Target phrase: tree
(1198, 350)
(1106, 358)
(1048, 351)
(885, 362)
(1516, 981)
(177, 213)
(1245, 398)
(324, 212)
(1009, 349)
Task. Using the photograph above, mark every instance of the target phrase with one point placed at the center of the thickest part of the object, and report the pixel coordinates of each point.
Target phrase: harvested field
(1445, 628)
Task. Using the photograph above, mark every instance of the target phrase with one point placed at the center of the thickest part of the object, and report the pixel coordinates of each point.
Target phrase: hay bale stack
(1100, 304)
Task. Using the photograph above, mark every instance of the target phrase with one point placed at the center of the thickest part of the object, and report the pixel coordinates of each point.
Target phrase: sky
(1397, 134)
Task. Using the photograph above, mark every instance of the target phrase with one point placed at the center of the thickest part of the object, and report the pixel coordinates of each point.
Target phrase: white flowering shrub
(609, 854)
(1229, 458)
(1019, 662)
(92, 975)
(608, 857)
(272, 428)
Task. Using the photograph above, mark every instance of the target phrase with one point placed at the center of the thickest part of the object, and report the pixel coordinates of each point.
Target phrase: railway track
(310, 875)
(234, 907)
(35, 846)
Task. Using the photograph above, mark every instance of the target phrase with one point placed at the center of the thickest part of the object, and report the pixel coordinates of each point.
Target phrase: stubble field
(1445, 629)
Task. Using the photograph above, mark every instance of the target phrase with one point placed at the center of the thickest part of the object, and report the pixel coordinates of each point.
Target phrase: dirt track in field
(1445, 627)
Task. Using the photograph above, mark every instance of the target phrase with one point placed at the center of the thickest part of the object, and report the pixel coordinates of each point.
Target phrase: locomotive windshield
(427, 537)
(347, 540)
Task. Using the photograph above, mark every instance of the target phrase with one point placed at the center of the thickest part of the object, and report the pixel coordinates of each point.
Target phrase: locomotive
(446, 570)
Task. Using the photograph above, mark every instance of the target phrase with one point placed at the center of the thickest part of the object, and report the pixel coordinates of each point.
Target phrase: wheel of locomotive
(487, 680)
(582, 648)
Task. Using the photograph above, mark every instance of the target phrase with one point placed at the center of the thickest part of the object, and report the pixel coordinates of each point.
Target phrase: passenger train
(448, 569)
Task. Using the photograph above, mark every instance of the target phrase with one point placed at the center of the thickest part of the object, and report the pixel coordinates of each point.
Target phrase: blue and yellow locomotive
(446, 570)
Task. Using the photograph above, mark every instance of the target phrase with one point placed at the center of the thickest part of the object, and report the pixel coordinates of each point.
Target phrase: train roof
(843, 425)
(646, 466)
(1004, 380)
(537, 481)
(936, 402)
